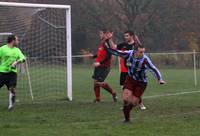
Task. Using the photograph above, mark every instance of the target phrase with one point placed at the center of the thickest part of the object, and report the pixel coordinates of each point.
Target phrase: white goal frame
(68, 35)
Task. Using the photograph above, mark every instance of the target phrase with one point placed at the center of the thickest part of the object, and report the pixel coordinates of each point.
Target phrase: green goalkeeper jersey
(8, 56)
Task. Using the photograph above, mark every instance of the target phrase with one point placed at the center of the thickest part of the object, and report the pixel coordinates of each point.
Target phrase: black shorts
(8, 79)
(100, 73)
(123, 78)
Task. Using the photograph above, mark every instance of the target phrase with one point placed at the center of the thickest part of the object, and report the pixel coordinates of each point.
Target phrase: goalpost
(37, 25)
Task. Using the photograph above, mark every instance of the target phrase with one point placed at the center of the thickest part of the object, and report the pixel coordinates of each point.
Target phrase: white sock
(10, 99)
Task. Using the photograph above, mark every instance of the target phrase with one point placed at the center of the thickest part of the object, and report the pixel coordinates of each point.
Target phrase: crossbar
(31, 5)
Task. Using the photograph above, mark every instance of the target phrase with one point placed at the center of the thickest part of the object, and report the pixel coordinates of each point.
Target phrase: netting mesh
(42, 34)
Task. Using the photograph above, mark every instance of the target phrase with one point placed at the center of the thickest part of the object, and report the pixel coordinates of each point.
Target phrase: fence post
(195, 69)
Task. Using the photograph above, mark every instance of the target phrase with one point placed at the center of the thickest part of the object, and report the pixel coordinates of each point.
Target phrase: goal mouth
(44, 32)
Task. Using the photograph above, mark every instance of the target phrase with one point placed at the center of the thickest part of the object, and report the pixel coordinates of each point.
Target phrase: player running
(136, 81)
(130, 41)
(102, 69)
(10, 56)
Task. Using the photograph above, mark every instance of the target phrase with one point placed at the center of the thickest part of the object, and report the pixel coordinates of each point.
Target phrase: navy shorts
(8, 79)
(100, 73)
(123, 76)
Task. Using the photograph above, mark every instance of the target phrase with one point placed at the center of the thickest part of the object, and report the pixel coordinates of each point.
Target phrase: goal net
(45, 39)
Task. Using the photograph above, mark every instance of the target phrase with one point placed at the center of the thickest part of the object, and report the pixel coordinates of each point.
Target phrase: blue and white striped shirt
(137, 67)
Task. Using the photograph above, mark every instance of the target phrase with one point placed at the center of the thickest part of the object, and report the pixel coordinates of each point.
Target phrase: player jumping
(10, 56)
(102, 69)
(136, 81)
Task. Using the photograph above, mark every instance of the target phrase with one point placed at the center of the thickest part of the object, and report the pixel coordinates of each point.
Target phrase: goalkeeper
(10, 57)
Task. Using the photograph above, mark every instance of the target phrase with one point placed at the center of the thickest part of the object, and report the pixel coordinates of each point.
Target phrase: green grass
(51, 115)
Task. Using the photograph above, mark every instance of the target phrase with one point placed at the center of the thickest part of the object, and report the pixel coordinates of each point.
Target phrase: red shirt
(122, 65)
(103, 57)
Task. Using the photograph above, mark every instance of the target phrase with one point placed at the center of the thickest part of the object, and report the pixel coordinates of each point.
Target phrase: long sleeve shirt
(137, 67)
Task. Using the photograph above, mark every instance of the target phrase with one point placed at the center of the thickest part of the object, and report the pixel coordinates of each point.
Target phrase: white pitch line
(147, 97)
(170, 94)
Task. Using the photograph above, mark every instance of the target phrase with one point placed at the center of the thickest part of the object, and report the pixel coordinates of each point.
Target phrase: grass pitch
(51, 114)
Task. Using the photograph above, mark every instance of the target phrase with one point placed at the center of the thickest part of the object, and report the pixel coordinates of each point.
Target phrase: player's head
(13, 40)
(129, 36)
(103, 33)
(139, 51)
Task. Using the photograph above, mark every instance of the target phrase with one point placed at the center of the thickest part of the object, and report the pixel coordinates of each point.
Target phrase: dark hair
(11, 38)
(104, 30)
(131, 33)
(136, 48)
(135, 37)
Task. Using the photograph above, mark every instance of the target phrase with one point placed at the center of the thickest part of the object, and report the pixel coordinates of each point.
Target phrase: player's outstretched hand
(90, 55)
(162, 82)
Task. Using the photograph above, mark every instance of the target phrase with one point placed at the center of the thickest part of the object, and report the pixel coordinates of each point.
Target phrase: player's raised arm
(116, 52)
(102, 68)
(151, 67)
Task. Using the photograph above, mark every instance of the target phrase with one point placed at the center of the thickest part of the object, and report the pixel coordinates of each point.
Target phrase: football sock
(11, 98)
(140, 101)
(97, 92)
(127, 109)
(108, 88)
